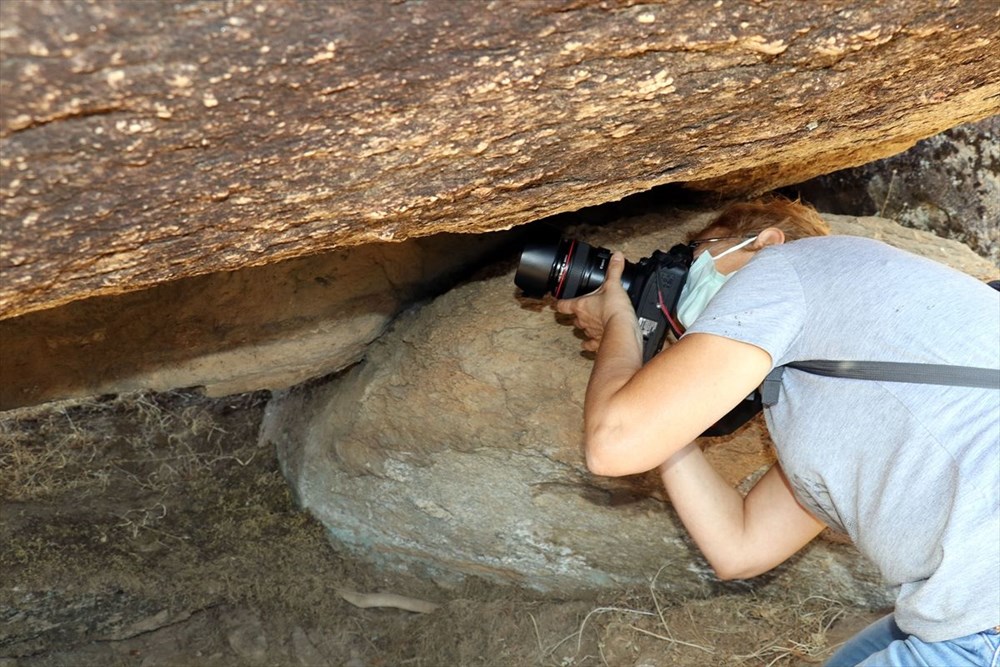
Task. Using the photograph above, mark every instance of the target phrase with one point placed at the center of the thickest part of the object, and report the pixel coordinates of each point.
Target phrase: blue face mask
(703, 282)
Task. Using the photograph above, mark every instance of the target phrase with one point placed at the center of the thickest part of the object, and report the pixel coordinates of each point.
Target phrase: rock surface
(455, 447)
(948, 184)
(267, 327)
(143, 142)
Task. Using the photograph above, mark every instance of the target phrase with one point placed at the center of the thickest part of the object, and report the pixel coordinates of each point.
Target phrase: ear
(770, 236)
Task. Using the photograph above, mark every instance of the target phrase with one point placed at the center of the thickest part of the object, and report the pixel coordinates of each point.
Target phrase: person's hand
(593, 311)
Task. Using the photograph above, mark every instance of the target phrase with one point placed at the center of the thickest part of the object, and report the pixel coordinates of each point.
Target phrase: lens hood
(537, 265)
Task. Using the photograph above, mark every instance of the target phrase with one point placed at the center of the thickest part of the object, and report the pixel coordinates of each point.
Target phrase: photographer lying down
(904, 457)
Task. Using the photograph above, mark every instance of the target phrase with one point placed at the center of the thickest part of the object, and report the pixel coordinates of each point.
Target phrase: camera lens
(537, 265)
(585, 271)
(564, 268)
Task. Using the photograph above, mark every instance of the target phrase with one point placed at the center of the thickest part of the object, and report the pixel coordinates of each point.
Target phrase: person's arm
(633, 423)
(639, 417)
(739, 537)
(635, 416)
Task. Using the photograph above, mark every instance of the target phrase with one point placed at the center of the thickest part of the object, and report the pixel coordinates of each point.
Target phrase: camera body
(568, 268)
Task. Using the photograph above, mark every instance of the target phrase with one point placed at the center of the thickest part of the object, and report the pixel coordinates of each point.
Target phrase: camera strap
(885, 371)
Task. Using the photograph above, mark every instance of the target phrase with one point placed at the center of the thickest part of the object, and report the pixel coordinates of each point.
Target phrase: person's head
(732, 239)
(768, 221)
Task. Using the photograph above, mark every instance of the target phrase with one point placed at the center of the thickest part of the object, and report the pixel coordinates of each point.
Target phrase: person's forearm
(711, 509)
(618, 359)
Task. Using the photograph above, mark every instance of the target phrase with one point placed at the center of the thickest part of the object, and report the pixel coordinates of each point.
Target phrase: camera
(568, 268)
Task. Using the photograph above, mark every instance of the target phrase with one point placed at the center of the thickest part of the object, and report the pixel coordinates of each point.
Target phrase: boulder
(454, 448)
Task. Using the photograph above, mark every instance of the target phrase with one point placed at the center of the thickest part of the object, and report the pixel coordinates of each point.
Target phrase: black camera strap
(885, 371)
(769, 391)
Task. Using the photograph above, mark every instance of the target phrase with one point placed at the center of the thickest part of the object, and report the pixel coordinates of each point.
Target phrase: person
(911, 472)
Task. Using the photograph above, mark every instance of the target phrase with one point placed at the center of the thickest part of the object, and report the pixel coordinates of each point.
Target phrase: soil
(152, 529)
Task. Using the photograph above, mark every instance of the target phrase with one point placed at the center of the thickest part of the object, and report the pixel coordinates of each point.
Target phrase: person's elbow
(603, 457)
(734, 568)
(615, 447)
(730, 573)
(606, 447)
(618, 443)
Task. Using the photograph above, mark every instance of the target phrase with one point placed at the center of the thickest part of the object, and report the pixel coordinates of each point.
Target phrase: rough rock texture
(948, 184)
(147, 141)
(455, 447)
(267, 327)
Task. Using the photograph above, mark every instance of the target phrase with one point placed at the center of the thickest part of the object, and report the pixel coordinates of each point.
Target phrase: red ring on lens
(565, 269)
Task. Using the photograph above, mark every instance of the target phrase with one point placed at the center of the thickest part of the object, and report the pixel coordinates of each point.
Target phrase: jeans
(883, 644)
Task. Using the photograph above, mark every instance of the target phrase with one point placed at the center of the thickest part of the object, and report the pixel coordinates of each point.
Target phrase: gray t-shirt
(911, 472)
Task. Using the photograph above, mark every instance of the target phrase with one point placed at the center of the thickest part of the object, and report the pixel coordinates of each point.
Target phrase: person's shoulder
(859, 257)
(835, 241)
(827, 248)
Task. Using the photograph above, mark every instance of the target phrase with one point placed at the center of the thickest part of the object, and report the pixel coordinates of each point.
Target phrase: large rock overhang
(146, 142)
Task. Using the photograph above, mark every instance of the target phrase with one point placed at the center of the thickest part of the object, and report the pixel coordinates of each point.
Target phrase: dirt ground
(151, 529)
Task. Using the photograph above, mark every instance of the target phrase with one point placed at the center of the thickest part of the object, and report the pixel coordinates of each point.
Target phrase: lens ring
(577, 266)
(564, 269)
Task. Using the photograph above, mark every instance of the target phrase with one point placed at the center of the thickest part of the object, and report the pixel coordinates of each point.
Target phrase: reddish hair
(795, 219)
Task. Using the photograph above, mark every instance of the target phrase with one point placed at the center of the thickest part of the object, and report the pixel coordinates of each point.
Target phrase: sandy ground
(151, 529)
